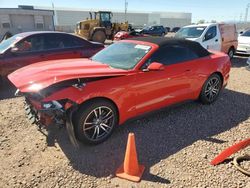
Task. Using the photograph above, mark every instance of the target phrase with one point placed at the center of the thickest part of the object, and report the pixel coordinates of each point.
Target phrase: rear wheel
(211, 89)
(99, 36)
(95, 121)
(231, 52)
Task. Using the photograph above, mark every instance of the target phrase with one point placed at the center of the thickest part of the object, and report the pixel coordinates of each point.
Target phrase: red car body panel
(135, 91)
(10, 62)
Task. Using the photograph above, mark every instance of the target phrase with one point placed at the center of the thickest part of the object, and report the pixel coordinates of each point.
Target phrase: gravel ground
(175, 144)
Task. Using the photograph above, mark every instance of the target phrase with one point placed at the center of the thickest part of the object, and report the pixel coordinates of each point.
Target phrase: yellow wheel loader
(99, 27)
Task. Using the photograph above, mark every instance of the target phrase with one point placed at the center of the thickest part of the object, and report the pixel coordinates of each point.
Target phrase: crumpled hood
(243, 40)
(38, 76)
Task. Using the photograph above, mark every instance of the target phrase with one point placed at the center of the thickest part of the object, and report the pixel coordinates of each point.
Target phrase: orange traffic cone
(130, 169)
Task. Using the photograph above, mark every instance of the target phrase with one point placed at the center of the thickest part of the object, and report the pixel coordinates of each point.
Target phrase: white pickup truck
(214, 36)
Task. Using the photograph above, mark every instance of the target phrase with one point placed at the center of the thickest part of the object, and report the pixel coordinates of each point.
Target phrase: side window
(53, 41)
(105, 17)
(61, 41)
(72, 41)
(31, 44)
(173, 54)
(211, 33)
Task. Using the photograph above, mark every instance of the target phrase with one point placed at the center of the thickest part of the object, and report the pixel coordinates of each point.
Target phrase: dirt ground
(175, 145)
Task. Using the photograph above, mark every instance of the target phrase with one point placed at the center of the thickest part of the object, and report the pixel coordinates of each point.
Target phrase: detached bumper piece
(44, 117)
(31, 114)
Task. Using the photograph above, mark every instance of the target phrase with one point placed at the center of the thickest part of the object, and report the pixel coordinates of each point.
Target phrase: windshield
(4, 45)
(246, 34)
(190, 32)
(122, 55)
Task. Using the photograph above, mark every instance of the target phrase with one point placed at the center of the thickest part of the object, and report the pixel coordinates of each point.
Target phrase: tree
(201, 22)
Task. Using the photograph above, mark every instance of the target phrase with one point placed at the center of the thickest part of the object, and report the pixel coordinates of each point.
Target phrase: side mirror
(241, 32)
(155, 66)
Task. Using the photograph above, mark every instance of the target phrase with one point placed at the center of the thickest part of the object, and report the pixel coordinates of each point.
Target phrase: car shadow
(7, 90)
(239, 61)
(159, 135)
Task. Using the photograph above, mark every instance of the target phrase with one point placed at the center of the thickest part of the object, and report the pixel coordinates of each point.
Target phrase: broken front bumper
(44, 115)
(41, 116)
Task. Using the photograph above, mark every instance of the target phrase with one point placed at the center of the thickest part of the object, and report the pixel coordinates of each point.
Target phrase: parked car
(156, 30)
(167, 29)
(244, 43)
(30, 47)
(213, 36)
(126, 79)
(128, 34)
(175, 29)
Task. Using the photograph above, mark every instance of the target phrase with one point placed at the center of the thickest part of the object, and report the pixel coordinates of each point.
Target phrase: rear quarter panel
(206, 66)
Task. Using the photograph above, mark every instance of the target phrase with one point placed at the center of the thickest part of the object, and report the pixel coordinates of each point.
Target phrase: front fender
(120, 94)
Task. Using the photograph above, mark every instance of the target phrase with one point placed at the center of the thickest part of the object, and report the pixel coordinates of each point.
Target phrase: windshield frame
(191, 27)
(151, 49)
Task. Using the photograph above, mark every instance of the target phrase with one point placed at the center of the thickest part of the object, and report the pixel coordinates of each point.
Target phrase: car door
(80, 47)
(156, 31)
(211, 39)
(27, 51)
(156, 89)
(66, 46)
(60, 46)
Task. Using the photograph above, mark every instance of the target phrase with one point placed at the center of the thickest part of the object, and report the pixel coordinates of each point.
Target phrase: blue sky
(220, 10)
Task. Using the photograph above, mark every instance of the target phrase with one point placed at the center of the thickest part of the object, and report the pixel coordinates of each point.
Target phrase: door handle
(188, 70)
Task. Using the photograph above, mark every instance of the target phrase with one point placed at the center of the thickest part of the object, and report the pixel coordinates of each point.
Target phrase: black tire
(231, 52)
(2, 82)
(211, 89)
(89, 117)
(99, 36)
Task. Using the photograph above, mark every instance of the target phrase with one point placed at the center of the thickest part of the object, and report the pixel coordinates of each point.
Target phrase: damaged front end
(45, 113)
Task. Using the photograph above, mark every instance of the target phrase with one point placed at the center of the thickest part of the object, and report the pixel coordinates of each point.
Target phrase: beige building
(66, 19)
(25, 18)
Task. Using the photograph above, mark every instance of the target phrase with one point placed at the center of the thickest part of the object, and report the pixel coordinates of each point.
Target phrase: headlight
(51, 105)
(35, 87)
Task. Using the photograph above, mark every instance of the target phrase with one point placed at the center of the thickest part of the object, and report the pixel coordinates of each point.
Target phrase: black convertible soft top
(162, 41)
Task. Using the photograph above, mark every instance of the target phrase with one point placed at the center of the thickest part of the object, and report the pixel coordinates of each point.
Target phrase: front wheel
(95, 121)
(231, 52)
(1, 81)
(99, 36)
(211, 89)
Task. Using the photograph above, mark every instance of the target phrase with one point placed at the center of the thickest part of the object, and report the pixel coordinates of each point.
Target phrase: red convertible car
(31, 47)
(126, 79)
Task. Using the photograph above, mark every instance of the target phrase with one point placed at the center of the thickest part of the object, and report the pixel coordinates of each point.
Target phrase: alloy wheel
(212, 88)
(98, 123)
(231, 54)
